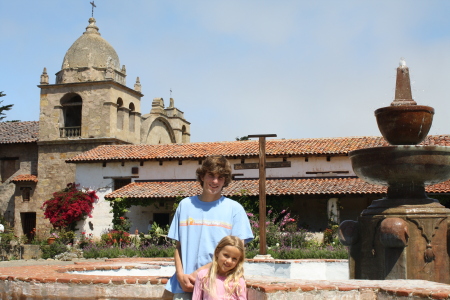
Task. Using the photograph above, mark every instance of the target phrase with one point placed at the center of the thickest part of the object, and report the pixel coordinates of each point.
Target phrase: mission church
(91, 131)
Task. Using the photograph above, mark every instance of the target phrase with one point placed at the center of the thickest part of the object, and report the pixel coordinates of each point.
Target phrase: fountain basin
(405, 166)
(404, 124)
(53, 282)
(311, 269)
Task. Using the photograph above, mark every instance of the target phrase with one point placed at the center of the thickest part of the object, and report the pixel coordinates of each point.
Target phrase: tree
(4, 107)
(243, 138)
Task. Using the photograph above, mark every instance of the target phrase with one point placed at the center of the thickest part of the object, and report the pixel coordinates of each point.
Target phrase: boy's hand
(187, 282)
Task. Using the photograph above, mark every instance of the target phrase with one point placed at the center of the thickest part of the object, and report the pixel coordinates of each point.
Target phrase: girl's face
(227, 259)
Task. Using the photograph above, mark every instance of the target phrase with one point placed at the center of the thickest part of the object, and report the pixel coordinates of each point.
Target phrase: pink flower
(283, 211)
(250, 214)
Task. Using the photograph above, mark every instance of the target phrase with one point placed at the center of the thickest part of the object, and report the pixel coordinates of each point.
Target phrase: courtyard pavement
(44, 262)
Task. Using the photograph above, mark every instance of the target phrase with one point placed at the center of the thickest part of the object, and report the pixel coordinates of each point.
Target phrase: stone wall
(26, 164)
(54, 175)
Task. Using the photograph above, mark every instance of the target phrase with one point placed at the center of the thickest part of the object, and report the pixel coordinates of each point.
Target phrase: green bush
(50, 251)
(157, 251)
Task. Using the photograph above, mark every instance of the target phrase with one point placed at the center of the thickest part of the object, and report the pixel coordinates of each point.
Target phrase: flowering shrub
(330, 234)
(116, 238)
(156, 236)
(281, 230)
(122, 224)
(85, 239)
(69, 205)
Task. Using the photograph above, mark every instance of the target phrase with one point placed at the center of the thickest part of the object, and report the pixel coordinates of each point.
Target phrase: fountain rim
(404, 108)
(407, 149)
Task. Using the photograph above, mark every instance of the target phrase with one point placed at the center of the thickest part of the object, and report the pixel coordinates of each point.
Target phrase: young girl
(225, 278)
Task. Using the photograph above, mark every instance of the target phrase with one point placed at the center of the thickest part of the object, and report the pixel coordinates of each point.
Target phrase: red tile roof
(25, 177)
(19, 132)
(291, 147)
(315, 186)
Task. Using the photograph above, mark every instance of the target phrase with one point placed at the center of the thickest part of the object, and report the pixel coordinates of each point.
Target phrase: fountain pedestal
(404, 242)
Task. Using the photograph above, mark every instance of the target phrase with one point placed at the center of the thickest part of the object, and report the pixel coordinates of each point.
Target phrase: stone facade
(102, 105)
(89, 105)
(164, 125)
(15, 159)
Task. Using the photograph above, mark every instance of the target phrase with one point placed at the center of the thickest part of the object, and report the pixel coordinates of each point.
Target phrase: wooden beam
(272, 164)
(262, 191)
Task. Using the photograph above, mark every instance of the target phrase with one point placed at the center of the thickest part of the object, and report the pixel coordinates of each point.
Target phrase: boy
(200, 222)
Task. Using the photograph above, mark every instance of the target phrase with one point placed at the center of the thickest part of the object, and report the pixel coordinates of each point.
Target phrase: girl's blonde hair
(232, 281)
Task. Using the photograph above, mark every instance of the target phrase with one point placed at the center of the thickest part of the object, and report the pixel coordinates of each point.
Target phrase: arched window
(71, 109)
(183, 134)
(119, 114)
(131, 117)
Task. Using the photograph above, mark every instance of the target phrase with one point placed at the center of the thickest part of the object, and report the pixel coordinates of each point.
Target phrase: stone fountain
(404, 235)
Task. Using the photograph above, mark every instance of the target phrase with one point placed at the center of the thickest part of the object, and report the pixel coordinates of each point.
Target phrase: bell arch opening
(131, 117)
(72, 105)
(119, 113)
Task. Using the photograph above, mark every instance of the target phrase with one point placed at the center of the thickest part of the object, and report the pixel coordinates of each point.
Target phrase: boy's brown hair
(216, 164)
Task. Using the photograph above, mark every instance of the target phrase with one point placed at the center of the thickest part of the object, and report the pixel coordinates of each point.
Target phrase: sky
(298, 69)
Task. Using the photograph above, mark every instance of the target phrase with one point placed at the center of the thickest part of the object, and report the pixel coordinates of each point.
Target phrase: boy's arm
(207, 266)
(186, 280)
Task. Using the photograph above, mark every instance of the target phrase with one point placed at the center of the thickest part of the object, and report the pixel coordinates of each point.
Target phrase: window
(119, 183)
(26, 193)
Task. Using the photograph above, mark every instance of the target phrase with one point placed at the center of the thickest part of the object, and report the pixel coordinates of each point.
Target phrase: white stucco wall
(140, 215)
(172, 170)
(92, 176)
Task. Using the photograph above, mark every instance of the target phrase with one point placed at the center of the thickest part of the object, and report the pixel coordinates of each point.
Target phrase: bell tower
(90, 99)
(88, 105)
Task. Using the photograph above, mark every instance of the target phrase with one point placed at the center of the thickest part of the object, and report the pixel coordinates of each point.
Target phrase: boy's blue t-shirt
(199, 226)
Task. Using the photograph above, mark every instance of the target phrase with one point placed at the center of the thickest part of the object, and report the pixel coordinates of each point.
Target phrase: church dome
(91, 50)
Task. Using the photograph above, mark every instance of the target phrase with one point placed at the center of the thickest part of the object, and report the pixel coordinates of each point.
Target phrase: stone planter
(31, 252)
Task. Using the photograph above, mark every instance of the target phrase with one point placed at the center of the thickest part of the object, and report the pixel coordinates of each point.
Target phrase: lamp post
(262, 190)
